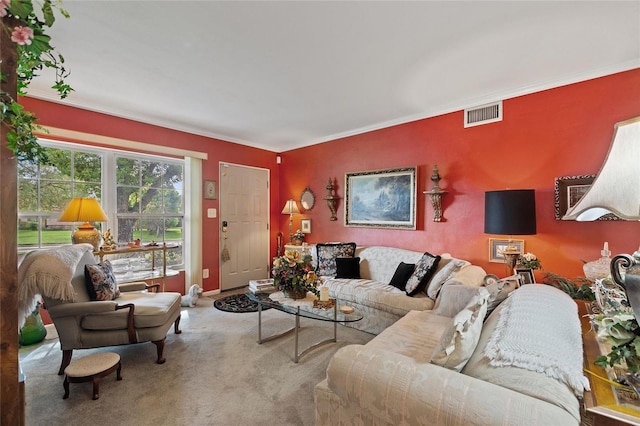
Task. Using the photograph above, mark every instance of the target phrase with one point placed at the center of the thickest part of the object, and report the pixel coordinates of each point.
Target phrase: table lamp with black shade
(510, 212)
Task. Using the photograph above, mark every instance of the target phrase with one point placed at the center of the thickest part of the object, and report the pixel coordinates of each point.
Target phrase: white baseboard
(211, 292)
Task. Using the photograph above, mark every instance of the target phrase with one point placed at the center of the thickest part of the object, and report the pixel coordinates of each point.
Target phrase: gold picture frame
(497, 247)
(381, 198)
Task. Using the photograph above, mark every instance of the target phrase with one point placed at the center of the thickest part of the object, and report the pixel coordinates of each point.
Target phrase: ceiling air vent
(483, 114)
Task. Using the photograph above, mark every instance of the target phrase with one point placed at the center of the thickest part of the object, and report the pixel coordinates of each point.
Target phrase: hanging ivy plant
(34, 53)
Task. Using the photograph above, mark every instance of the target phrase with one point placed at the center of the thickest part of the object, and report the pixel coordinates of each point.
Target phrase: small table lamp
(291, 208)
(84, 210)
(510, 212)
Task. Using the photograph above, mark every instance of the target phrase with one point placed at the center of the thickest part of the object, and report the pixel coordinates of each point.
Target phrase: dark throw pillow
(347, 267)
(327, 254)
(402, 274)
(425, 268)
(101, 281)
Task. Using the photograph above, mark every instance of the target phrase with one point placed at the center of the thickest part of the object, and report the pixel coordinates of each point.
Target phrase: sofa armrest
(82, 308)
(395, 389)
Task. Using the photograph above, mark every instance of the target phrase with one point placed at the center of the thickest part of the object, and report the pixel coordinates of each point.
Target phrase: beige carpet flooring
(216, 374)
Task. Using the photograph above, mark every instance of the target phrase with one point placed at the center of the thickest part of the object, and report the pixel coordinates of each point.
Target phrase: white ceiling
(281, 75)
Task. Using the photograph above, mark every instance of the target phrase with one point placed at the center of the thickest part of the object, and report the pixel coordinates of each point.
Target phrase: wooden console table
(602, 403)
(143, 274)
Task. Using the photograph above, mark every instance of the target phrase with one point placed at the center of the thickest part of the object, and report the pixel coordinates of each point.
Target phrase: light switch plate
(211, 213)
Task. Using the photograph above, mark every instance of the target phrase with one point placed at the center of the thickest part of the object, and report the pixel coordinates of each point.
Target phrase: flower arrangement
(299, 236)
(621, 331)
(616, 325)
(26, 27)
(294, 272)
(529, 261)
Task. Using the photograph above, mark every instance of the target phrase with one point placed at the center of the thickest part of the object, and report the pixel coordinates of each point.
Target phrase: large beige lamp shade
(291, 208)
(84, 210)
(616, 189)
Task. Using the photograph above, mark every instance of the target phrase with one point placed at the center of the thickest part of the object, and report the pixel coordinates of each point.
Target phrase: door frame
(221, 164)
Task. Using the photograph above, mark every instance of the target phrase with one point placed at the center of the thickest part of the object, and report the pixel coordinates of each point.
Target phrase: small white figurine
(191, 298)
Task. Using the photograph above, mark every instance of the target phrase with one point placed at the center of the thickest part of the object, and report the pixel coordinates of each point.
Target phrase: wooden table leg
(66, 387)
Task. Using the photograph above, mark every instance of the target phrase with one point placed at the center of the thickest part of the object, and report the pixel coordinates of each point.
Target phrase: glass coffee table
(303, 308)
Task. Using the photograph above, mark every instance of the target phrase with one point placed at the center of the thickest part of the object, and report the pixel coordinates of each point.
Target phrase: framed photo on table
(526, 276)
(381, 198)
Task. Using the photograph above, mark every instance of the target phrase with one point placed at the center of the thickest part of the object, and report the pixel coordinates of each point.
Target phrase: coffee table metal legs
(297, 354)
(274, 336)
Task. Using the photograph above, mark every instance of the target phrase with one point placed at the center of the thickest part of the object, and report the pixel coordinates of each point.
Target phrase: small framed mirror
(307, 199)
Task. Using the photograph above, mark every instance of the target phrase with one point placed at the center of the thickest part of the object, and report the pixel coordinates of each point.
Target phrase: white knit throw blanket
(47, 273)
(539, 330)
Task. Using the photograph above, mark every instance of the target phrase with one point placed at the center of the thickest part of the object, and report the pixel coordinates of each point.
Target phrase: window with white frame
(143, 195)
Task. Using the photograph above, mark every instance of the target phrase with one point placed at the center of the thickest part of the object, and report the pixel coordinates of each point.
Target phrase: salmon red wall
(559, 132)
(56, 115)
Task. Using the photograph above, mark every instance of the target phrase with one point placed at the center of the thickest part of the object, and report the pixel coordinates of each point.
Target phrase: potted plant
(293, 274)
(580, 289)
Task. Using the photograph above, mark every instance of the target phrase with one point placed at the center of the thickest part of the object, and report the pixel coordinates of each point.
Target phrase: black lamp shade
(510, 212)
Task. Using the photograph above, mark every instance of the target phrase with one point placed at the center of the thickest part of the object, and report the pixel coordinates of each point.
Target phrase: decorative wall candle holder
(332, 200)
(435, 195)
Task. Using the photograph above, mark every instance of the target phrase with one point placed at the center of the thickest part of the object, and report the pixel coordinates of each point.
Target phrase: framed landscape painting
(381, 198)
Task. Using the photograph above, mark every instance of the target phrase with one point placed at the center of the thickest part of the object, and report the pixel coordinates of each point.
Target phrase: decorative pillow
(459, 341)
(327, 254)
(445, 270)
(347, 267)
(425, 268)
(453, 298)
(101, 281)
(402, 274)
(499, 290)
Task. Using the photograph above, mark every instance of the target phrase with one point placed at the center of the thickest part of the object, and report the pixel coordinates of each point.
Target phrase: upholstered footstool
(90, 369)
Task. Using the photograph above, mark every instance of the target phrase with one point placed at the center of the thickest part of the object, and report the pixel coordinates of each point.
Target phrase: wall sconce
(332, 200)
(435, 195)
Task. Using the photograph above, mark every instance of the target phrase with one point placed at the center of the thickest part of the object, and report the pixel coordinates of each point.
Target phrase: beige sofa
(383, 304)
(394, 379)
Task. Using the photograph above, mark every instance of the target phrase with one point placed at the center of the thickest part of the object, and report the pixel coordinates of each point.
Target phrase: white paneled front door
(244, 225)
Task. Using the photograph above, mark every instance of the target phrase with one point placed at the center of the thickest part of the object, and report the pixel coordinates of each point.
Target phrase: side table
(602, 402)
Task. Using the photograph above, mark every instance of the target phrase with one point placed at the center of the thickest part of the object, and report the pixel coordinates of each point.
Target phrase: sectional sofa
(469, 356)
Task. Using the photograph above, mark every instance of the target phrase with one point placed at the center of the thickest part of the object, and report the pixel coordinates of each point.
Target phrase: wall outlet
(205, 273)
